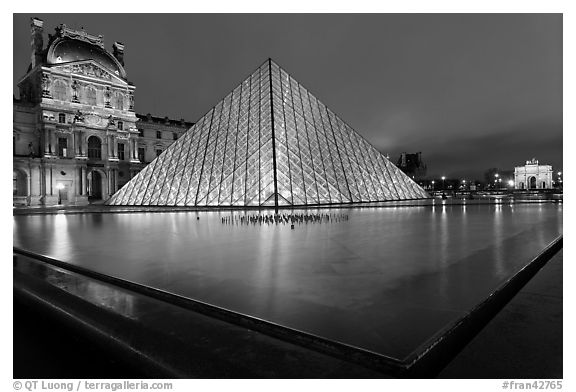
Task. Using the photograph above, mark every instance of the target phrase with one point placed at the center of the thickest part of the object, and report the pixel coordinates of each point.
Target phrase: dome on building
(66, 49)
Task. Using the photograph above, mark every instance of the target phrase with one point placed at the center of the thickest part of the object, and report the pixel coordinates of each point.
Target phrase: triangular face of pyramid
(268, 143)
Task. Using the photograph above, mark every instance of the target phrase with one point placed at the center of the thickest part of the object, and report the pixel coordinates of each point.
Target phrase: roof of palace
(69, 46)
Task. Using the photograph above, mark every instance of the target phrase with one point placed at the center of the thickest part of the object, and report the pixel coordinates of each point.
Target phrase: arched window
(94, 148)
(91, 95)
(119, 101)
(60, 91)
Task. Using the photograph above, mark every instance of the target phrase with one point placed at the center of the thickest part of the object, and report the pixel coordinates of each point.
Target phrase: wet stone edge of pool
(426, 362)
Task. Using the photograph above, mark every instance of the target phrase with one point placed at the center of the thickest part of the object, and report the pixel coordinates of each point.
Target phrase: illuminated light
(59, 186)
(559, 173)
(511, 183)
(496, 175)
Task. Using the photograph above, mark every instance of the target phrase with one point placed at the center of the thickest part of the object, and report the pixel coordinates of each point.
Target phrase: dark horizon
(470, 91)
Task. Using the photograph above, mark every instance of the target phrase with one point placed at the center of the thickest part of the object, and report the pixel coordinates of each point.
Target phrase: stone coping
(425, 362)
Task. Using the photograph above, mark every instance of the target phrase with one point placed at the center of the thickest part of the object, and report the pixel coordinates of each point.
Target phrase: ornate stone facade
(533, 176)
(75, 132)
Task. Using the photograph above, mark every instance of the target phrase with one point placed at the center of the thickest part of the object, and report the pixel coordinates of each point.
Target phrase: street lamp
(433, 185)
(59, 186)
(510, 182)
(443, 186)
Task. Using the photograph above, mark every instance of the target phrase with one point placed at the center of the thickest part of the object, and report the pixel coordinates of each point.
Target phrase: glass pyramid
(268, 143)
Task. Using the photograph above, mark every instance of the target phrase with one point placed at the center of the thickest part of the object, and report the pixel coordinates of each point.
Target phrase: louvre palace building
(269, 142)
(76, 135)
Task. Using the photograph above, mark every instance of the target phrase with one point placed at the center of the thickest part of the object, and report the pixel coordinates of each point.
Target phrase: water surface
(386, 279)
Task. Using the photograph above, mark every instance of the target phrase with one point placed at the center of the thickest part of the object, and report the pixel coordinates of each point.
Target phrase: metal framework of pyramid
(268, 143)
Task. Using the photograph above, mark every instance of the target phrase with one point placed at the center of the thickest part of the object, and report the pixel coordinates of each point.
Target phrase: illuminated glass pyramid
(268, 143)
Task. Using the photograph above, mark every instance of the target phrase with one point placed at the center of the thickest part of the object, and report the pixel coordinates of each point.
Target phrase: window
(141, 153)
(62, 146)
(141, 132)
(60, 92)
(158, 134)
(94, 148)
(91, 96)
(120, 125)
(121, 151)
(158, 152)
(174, 136)
(62, 118)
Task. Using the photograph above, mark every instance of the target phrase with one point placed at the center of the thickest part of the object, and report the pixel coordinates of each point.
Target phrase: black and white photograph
(287, 195)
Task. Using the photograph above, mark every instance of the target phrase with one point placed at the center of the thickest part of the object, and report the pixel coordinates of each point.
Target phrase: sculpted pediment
(89, 68)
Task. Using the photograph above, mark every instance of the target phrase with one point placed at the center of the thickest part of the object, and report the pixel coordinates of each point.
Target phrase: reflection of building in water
(533, 176)
(75, 133)
(412, 165)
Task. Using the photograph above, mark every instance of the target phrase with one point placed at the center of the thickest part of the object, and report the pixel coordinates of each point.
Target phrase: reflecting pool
(385, 279)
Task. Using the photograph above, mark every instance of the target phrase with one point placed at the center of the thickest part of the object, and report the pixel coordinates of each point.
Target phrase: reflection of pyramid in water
(269, 142)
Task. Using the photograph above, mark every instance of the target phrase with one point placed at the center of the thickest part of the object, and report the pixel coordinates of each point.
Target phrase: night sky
(470, 91)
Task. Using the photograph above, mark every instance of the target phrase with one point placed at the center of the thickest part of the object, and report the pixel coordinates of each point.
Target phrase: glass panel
(199, 161)
(153, 178)
(208, 162)
(184, 145)
(161, 172)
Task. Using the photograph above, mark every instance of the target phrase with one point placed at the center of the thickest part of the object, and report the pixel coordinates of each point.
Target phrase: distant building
(76, 136)
(533, 176)
(412, 165)
(156, 134)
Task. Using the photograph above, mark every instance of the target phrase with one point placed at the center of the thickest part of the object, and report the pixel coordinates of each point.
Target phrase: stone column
(50, 148)
(84, 180)
(115, 182)
(71, 150)
(42, 183)
(46, 142)
(110, 181)
(54, 142)
(51, 184)
(83, 147)
(79, 181)
(128, 154)
(77, 142)
(115, 146)
(109, 146)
